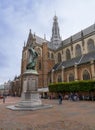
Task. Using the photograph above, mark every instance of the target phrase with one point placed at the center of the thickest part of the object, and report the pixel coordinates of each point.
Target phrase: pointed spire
(30, 30)
(30, 38)
(55, 39)
(44, 36)
(34, 37)
(55, 18)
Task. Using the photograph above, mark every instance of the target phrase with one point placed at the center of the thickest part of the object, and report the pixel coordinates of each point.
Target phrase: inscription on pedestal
(33, 84)
(30, 84)
(25, 86)
(35, 96)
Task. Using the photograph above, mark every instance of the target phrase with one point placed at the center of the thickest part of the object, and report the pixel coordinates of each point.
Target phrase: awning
(43, 90)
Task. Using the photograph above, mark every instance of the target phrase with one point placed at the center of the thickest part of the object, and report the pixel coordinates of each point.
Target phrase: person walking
(4, 96)
(60, 98)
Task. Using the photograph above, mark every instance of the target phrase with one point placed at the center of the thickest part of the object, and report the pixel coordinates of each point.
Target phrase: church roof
(79, 35)
(77, 60)
(40, 40)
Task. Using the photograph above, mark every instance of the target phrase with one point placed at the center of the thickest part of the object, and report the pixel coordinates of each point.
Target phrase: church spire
(30, 38)
(55, 39)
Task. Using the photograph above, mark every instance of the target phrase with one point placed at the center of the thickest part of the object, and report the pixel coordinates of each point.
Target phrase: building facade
(60, 60)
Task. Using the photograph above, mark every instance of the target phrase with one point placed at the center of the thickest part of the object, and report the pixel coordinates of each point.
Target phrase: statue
(32, 58)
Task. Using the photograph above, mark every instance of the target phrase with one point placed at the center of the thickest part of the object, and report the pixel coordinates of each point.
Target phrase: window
(78, 50)
(71, 77)
(90, 45)
(50, 80)
(52, 56)
(68, 56)
(59, 78)
(39, 51)
(59, 57)
(48, 54)
(86, 75)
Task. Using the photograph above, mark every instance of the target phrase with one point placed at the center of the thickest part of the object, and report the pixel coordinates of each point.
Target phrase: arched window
(59, 78)
(52, 56)
(50, 80)
(68, 56)
(78, 50)
(86, 75)
(48, 54)
(59, 57)
(39, 51)
(90, 45)
(71, 77)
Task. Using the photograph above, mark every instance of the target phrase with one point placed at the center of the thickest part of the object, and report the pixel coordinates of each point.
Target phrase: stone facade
(15, 87)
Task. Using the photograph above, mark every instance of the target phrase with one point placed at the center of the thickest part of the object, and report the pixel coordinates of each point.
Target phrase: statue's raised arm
(32, 58)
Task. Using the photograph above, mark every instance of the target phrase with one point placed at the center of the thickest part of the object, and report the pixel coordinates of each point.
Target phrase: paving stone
(68, 116)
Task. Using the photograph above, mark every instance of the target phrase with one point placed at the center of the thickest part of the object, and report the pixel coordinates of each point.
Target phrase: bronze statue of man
(32, 58)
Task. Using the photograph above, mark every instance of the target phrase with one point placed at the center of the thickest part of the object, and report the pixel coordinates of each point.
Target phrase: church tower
(55, 39)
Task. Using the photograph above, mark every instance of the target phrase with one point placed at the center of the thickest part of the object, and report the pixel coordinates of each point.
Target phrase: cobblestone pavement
(68, 116)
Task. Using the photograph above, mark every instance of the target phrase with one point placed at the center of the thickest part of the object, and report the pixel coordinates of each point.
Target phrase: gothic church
(60, 60)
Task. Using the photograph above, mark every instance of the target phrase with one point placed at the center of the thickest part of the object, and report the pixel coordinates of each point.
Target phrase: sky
(17, 17)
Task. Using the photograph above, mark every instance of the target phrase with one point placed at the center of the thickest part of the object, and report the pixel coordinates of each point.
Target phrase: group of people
(72, 96)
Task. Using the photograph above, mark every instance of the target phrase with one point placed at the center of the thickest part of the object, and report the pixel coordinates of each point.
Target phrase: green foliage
(85, 85)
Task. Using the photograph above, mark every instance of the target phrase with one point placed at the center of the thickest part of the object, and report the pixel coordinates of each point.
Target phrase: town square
(47, 65)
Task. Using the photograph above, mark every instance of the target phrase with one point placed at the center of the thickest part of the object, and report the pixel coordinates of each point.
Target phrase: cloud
(18, 16)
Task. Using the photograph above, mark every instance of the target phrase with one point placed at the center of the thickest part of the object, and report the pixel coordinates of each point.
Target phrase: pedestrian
(4, 99)
(60, 98)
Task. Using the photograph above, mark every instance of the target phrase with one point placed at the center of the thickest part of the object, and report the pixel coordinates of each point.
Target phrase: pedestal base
(13, 107)
(29, 101)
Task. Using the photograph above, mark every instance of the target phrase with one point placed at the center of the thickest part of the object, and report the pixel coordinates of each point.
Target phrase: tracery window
(71, 77)
(59, 57)
(59, 78)
(50, 80)
(86, 75)
(78, 50)
(68, 56)
(90, 45)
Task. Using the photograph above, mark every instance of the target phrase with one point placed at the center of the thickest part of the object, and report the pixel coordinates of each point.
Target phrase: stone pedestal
(30, 99)
(30, 96)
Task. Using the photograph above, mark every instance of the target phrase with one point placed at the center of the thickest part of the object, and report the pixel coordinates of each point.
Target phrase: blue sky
(18, 16)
